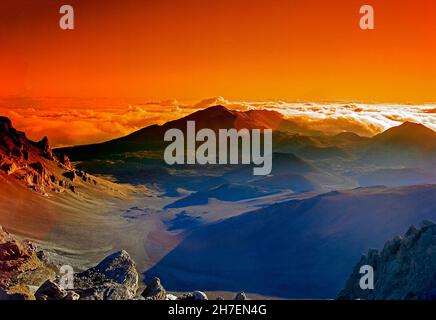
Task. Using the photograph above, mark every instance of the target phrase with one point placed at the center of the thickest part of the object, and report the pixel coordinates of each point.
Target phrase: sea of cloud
(83, 121)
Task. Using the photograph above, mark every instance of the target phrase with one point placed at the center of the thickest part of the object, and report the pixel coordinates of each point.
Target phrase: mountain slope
(43, 198)
(297, 249)
(409, 144)
(215, 118)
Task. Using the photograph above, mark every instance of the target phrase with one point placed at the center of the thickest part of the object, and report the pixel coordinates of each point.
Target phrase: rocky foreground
(404, 270)
(27, 274)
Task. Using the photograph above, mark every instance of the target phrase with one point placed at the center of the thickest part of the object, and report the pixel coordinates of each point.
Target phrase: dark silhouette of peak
(406, 132)
(409, 144)
(408, 125)
(211, 112)
(215, 109)
(5, 124)
(214, 118)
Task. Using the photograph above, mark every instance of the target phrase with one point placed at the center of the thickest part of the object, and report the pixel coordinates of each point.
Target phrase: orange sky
(241, 49)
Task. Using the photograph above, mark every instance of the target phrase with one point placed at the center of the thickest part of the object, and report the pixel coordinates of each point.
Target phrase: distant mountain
(408, 133)
(319, 147)
(409, 144)
(215, 118)
(296, 249)
(404, 270)
(283, 163)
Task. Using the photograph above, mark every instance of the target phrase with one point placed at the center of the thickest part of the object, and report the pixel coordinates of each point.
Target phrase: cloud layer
(73, 121)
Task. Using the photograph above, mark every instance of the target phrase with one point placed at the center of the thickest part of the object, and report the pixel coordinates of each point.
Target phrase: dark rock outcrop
(34, 163)
(20, 268)
(154, 291)
(70, 175)
(65, 161)
(404, 270)
(27, 274)
(44, 146)
(25, 159)
(194, 296)
(241, 296)
(115, 278)
(50, 291)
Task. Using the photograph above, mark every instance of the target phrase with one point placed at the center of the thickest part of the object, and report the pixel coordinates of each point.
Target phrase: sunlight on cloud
(72, 122)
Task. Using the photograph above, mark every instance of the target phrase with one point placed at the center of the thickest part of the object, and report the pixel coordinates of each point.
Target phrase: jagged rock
(154, 291)
(71, 295)
(20, 268)
(70, 175)
(115, 278)
(404, 270)
(25, 274)
(171, 297)
(199, 295)
(24, 159)
(38, 167)
(50, 291)
(64, 160)
(45, 148)
(42, 255)
(241, 296)
(196, 295)
(9, 168)
(5, 125)
(85, 177)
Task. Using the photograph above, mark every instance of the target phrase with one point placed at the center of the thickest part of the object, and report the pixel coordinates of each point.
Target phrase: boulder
(241, 296)
(64, 160)
(20, 268)
(70, 175)
(154, 291)
(171, 297)
(71, 295)
(50, 291)
(193, 296)
(199, 295)
(115, 278)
